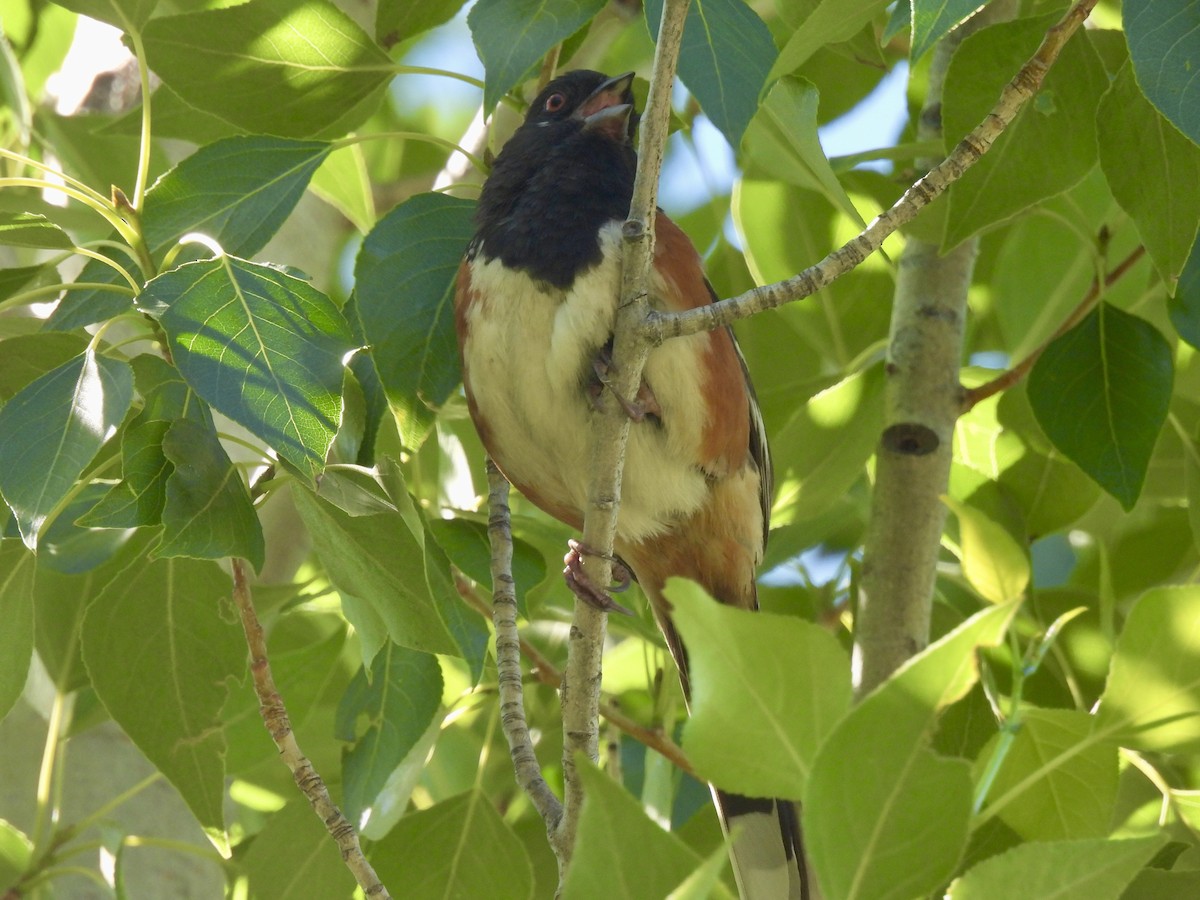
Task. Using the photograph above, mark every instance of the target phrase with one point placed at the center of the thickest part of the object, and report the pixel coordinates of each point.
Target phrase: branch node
(910, 439)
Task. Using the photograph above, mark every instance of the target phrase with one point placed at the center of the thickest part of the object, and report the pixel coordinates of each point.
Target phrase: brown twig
(659, 326)
(275, 716)
(545, 672)
(1007, 379)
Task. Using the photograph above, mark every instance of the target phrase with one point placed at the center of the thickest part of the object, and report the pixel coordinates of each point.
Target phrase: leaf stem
(143, 169)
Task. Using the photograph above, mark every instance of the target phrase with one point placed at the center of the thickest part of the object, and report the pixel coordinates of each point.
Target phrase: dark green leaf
(138, 498)
(31, 230)
(24, 358)
(468, 628)
(17, 278)
(399, 20)
(933, 19)
(295, 69)
(73, 548)
(399, 701)
(59, 421)
(1185, 305)
(16, 611)
(513, 35)
(726, 54)
(1051, 144)
(1100, 392)
(466, 543)
(159, 652)
(404, 293)
(207, 513)
(461, 848)
(293, 856)
(1154, 173)
(260, 346)
(1164, 44)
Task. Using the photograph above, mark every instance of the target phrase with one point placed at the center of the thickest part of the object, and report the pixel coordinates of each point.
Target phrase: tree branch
(275, 716)
(610, 432)
(659, 326)
(1007, 379)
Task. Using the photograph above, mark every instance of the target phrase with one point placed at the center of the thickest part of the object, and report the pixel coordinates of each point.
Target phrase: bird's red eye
(555, 102)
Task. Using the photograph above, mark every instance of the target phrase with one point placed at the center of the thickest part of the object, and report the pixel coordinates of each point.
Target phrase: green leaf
(1154, 173)
(992, 560)
(127, 15)
(825, 446)
(511, 36)
(1050, 145)
(24, 229)
(832, 21)
(1164, 44)
(16, 853)
(1065, 870)
(69, 547)
(138, 498)
(766, 691)
(1157, 884)
(884, 817)
(1185, 305)
(293, 856)
(60, 421)
(458, 848)
(294, 69)
(16, 611)
(466, 543)
(207, 513)
(933, 19)
(404, 290)
(782, 140)
(1152, 699)
(621, 854)
(399, 699)
(724, 60)
(1100, 392)
(159, 652)
(399, 20)
(1055, 783)
(24, 358)
(343, 182)
(237, 192)
(260, 346)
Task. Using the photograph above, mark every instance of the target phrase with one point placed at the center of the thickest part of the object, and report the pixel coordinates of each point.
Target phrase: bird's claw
(643, 405)
(584, 588)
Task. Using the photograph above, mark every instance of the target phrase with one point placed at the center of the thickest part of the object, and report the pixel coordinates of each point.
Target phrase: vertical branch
(581, 681)
(923, 401)
(275, 716)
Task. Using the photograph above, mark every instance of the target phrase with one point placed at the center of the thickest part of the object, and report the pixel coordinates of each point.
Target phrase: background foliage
(1045, 744)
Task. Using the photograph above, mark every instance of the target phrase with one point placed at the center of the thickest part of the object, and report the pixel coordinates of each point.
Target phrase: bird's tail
(767, 852)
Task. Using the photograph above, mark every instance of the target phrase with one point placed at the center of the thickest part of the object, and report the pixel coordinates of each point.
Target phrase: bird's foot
(643, 405)
(584, 588)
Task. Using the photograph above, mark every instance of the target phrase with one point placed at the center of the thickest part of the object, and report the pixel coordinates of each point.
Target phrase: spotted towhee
(535, 309)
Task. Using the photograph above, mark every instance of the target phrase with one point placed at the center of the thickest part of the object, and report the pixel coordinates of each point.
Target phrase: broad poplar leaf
(1164, 44)
(1153, 170)
(207, 512)
(160, 652)
(621, 854)
(1152, 699)
(28, 356)
(54, 427)
(293, 856)
(16, 612)
(24, 229)
(458, 848)
(992, 560)
(1094, 869)
(237, 191)
(260, 346)
(127, 15)
(766, 691)
(293, 69)
(833, 21)
(16, 853)
(511, 36)
(344, 183)
(1055, 783)
(933, 19)
(73, 548)
(138, 498)
(724, 60)
(404, 294)
(1100, 393)
(399, 700)
(399, 20)
(1050, 145)
(782, 140)
(466, 543)
(884, 817)
(17, 278)
(1184, 307)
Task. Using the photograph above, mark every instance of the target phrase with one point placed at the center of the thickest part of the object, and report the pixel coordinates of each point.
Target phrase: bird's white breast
(528, 351)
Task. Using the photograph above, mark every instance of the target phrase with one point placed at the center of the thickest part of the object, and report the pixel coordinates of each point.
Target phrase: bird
(535, 307)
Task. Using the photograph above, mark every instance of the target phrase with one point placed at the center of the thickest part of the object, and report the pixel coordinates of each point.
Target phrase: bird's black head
(566, 172)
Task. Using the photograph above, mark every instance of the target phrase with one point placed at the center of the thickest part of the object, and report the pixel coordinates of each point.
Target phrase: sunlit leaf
(830, 22)
(124, 14)
(16, 611)
(32, 230)
(993, 562)
(933, 19)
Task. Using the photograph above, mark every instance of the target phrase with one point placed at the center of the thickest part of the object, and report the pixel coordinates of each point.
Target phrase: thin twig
(1007, 379)
(659, 326)
(508, 654)
(541, 668)
(275, 716)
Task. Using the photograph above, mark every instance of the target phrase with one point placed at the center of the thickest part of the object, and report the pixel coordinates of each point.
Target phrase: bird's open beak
(608, 108)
